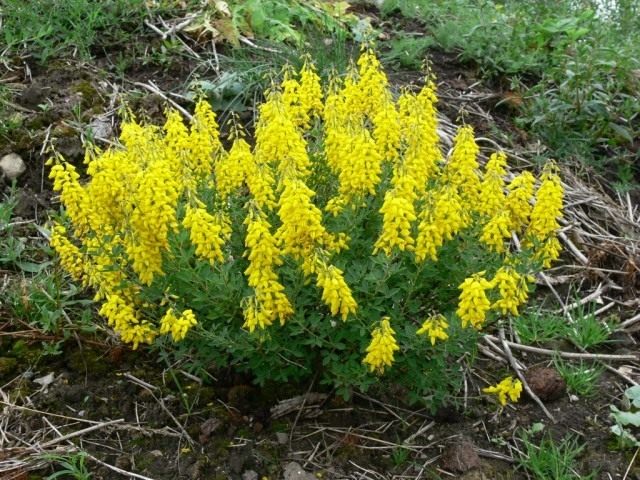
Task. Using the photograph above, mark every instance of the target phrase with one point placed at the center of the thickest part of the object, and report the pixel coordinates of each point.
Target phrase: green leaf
(626, 418)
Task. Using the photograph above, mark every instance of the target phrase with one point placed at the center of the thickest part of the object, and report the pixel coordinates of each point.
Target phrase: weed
(540, 328)
(587, 331)
(409, 52)
(62, 27)
(72, 465)
(627, 418)
(582, 378)
(547, 459)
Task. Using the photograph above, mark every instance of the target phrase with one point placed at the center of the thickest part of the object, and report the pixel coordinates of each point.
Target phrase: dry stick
(164, 407)
(153, 88)
(80, 432)
(633, 460)
(629, 322)
(578, 356)
(525, 384)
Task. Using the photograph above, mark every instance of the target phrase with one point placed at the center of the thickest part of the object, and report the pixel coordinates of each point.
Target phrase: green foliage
(71, 466)
(409, 52)
(544, 458)
(540, 327)
(50, 28)
(587, 331)
(582, 378)
(627, 419)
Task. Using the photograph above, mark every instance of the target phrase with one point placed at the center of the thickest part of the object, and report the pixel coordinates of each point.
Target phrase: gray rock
(101, 127)
(282, 438)
(12, 166)
(293, 471)
(250, 475)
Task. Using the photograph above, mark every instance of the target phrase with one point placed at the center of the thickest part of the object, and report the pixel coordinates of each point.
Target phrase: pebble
(12, 166)
(293, 471)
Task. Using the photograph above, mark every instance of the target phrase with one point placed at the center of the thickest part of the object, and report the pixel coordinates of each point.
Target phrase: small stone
(12, 166)
(207, 428)
(250, 475)
(460, 457)
(282, 438)
(293, 471)
(101, 128)
(546, 383)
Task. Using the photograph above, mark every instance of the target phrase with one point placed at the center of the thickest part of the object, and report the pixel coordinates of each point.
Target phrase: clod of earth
(460, 456)
(546, 383)
(12, 166)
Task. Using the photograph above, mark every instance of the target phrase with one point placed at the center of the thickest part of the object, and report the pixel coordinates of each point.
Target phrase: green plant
(72, 465)
(587, 330)
(52, 28)
(345, 224)
(627, 419)
(546, 459)
(581, 379)
(409, 52)
(539, 327)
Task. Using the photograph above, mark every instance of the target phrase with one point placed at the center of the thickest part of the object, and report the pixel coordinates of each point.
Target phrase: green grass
(586, 331)
(52, 28)
(546, 459)
(581, 378)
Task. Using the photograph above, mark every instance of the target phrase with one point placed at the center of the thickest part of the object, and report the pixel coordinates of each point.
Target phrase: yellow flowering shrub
(314, 245)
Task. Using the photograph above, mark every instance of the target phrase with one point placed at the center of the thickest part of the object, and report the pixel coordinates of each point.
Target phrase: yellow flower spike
(442, 218)
(474, 304)
(208, 233)
(178, 327)
(462, 167)
(492, 186)
(231, 169)
(71, 257)
(380, 351)
(513, 290)
(269, 301)
(122, 316)
(336, 294)
(435, 327)
(518, 200)
(496, 231)
(507, 388)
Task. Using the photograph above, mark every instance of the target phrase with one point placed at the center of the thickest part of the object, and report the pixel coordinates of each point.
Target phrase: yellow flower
(548, 252)
(269, 301)
(71, 257)
(462, 167)
(125, 320)
(496, 231)
(279, 142)
(208, 233)
(518, 200)
(382, 347)
(492, 186)
(178, 327)
(336, 294)
(301, 230)
(474, 304)
(398, 215)
(204, 140)
(440, 220)
(506, 388)
(435, 327)
(232, 169)
(513, 290)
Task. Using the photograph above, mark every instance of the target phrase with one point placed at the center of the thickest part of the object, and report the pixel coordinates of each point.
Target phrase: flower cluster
(382, 347)
(336, 188)
(507, 388)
